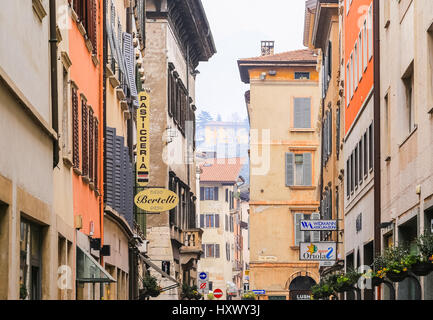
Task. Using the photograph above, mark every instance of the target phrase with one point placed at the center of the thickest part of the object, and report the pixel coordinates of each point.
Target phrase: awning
(158, 269)
(89, 270)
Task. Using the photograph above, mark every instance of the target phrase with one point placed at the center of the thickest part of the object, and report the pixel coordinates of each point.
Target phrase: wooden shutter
(75, 129)
(217, 221)
(202, 221)
(308, 169)
(216, 194)
(227, 195)
(299, 235)
(118, 173)
(92, 24)
(96, 166)
(227, 223)
(201, 193)
(84, 138)
(217, 250)
(337, 144)
(330, 132)
(348, 177)
(128, 51)
(290, 178)
(91, 144)
(302, 113)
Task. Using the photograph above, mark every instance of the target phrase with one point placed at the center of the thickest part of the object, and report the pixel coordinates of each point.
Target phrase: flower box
(422, 269)
(396, 277)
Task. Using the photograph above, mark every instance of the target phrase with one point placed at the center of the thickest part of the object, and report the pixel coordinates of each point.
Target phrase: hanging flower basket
(422, 269)
(376, 281)
(344, 288)
(397, 277)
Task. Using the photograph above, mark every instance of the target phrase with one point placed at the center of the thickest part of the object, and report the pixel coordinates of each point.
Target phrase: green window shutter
(290, 177)
(308, 169)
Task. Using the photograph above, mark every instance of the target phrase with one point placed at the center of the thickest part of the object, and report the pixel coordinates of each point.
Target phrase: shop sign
(259, 291)
(143, 126)
(156, 200)
(318, 225)
(317, 251)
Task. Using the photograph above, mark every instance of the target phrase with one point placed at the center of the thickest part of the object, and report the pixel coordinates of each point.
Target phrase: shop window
(30, 261)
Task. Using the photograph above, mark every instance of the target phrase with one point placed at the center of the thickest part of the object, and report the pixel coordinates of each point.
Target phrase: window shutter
(128, 51)
(299, 237)
(217, 250)
(330, 60)
(217, 221)
(216, 194)
(308, 169)
(330, 204)
(302, 113)
(91, 144)
(227, 195)
(92, 27)
(109, 167)
(109, 26)
(84, 138)
(325, 139)
(202, 221)
(290, 169)
(96, 167)
(315, 235)
(75, 130)
(337, 144)
(201, 193)
(330, 132)
(118, 173)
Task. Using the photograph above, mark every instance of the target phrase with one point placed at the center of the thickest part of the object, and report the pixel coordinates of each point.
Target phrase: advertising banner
(317, 251)
(143, 125)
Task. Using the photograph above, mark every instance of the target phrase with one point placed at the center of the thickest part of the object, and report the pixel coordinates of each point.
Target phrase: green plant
(210, 296)
(23, 291)
(249, 296)
(150, 287)
(425, 247)
(397, 260)
(346, 280)
(190, 293)
(321, 291)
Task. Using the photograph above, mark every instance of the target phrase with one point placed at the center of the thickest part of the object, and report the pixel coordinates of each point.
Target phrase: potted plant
(398, 261)
(210, 296)
(321, 291)
(378, 273)
(346, 281)
(150, 288)
(190, 293)
(424, 264)
(249, 296)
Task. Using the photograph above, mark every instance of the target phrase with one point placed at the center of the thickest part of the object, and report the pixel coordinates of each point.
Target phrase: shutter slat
(307, 169)
(289, 169)
(128, 51)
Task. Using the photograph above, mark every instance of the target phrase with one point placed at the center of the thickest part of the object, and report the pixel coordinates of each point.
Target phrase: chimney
(267, 48)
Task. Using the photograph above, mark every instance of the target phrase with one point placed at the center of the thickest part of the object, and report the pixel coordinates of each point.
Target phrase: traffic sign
(203, 286)
(259, 291)
(218, 293)
(203, 275)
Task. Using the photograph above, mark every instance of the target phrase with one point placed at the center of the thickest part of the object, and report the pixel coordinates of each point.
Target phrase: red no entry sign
(218, 293)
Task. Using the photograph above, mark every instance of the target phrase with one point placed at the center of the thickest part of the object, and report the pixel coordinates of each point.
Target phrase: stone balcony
(191, 245)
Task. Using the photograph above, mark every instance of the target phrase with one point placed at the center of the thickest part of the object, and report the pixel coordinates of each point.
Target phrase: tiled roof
(221, 170)
(289, 56)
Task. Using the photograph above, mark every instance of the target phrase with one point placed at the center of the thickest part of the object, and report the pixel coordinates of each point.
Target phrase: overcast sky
(238, 26)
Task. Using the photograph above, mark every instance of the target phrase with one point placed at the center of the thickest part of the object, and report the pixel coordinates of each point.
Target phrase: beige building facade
(283, 106)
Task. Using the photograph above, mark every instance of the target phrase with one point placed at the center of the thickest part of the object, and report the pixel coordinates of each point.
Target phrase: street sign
(326, 263)
(218, 293)
(203, 286)
(317, 251)
(259, 291)
(203, 275)
(318, 225)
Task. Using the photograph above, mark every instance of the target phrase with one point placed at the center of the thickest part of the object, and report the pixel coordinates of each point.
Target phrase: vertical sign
(143, 124)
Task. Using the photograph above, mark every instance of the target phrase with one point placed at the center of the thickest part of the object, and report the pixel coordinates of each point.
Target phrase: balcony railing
(191, 239)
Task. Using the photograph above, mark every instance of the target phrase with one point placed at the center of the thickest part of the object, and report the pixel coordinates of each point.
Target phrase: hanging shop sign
(317, 251)
(143, 125)
(318, 225)
(156, 200)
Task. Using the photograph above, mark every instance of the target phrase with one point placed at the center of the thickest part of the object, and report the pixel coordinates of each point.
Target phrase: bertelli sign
(156, 200)
(317, 251)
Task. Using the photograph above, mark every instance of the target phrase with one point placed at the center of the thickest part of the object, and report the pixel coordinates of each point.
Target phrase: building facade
(178, 38)
(406, 127)
(283, 107)
(219, 219)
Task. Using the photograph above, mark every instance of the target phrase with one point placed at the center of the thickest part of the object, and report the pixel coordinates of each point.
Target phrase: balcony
(191, 245)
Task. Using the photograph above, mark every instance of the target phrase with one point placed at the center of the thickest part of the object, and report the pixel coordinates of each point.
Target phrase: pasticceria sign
(143, 125)
(156, 200)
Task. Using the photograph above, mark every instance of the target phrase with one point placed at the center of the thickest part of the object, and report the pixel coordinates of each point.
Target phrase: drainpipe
(377, 146)
(54, 90)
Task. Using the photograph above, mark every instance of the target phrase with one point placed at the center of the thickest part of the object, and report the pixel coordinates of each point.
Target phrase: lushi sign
(143, 125)
(318, 225)
(317, 251)
(156, 200)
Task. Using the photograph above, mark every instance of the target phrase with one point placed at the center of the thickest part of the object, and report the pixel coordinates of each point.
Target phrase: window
(352, 84)
(360, 56)
(352, 173)
(370, 144)
(87, 12)
(387, 126)
(91, 144)
(209, 193)
(337, 139)
(75, 130)
(298, 169)
(228, 251)
(348, 84)
(365, 51)
(305, 236)
(84, 138)
(365, 154)
(361, 161)
(209, 221)
(409, 102)
(211, 250)
(302, 76)
(30, 261)
(355, 66)
(356, 167)
(302, 113)
(348, 177)
(370, 32)
(227, 195)
(231, 224)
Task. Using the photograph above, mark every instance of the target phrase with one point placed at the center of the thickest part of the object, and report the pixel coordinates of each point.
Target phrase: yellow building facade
(283, 107)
